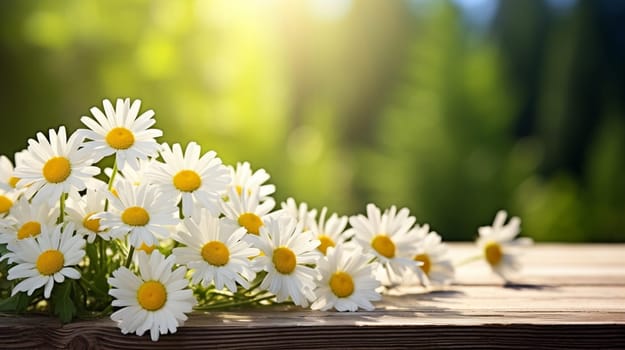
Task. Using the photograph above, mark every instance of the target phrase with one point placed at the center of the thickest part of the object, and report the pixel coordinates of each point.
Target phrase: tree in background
(409, 103)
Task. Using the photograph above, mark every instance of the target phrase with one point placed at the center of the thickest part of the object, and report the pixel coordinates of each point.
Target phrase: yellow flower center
(57, 169)
(120, 138)
(187, 181)
(135, 216)
(284, 260)
(326, 242)
(5, 204)
(493, 253)
(427, 263)
(384, 246)
(251, 222)
(216, 253)
(342, 284)
(152, 295)
(29, 229)
(90, 224)
(50, 262)
(13, 181)
(147, 248)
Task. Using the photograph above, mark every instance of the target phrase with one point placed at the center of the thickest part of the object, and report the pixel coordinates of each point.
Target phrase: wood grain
(568, 296)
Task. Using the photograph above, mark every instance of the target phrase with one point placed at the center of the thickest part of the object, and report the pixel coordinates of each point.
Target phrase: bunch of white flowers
(173, 229)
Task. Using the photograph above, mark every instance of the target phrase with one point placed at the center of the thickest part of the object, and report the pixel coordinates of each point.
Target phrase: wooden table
(568, 296)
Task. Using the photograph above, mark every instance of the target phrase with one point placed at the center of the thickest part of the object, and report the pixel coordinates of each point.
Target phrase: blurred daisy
(143, 212)
(385, 235)
(347, 282)
(148, 249)
(53, 167)
(121, 131)
(437, 269)
(136, 176)
(286, 255)
(26, 220)
(243, 178)
(82, 210)
(154, 301)
(331, 232)
(247, 211)
(499, 246)
(191, 177)
(299, 212)
(7, 198)
(8, 182)
(46, 259)
(215, 252)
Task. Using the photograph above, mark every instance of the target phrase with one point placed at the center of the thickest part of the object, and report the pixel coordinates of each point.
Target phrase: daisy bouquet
(168, 229)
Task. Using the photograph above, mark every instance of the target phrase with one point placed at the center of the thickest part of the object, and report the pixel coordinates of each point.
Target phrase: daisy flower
(7, 198)
(121, 131)
(299, 212)
(437, 269)
(136, 176)
(55, 166)
(8, 182)
(143, 212)
(499, 246)
(243, 178)
(26, 220)
(156, 300)
(215, 252)
(385, 235)
(331, 232)
(191, 177)
(347, 282)
(46, 259)
(82, 210)
(286, 255)
(146, 249)
(247, 211)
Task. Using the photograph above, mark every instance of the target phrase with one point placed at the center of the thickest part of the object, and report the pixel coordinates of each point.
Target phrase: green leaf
(17, 303)
(62, 303)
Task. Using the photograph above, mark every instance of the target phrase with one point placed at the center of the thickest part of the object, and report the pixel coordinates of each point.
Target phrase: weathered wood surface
(567, 296)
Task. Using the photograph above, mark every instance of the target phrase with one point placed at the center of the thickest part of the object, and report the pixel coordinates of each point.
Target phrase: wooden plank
(569, 296)
(270, 336)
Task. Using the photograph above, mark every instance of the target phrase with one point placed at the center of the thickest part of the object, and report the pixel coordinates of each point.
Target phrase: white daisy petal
(150, 304)
(118, 131)
(287, 276)
(51, 168)
(385, 236)
(49, 265)
(186, 176)
(212, 247)
(499, 246)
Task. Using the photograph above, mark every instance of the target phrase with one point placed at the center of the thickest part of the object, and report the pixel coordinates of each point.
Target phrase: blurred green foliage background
(454, 109)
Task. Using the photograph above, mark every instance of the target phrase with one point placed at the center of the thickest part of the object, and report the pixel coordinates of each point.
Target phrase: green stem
(102, 253)
(468, 260)
(225, 294)
(62, 209)
(88, 285)
(110, 184)
(113, 174)
(84, 294)
(129, 259)
(254, 286)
